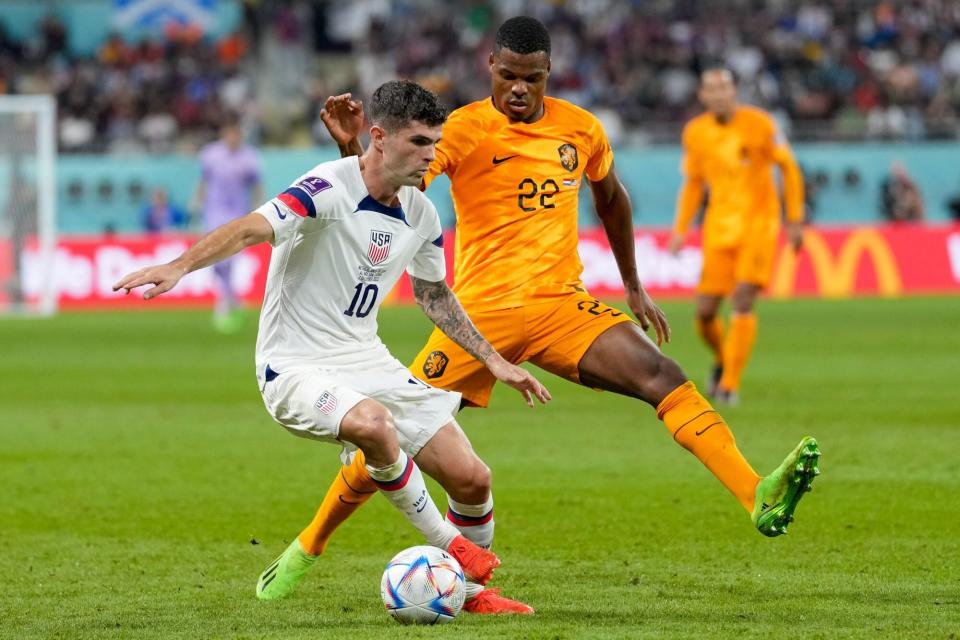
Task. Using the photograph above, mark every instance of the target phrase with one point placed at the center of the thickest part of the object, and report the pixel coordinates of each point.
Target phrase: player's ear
(490, 61)
(376, 136)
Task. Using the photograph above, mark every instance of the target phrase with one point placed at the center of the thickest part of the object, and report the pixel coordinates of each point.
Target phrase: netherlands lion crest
(568, 156)
(435, 364)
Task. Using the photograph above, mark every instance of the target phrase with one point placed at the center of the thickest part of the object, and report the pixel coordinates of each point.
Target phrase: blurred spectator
(900, 198)
(873, 68)
(161, 215)
(229, 187)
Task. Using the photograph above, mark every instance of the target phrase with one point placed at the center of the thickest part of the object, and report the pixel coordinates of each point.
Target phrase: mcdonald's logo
(836, 278)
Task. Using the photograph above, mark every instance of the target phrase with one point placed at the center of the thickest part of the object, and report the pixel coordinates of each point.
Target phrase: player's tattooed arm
(442, 307)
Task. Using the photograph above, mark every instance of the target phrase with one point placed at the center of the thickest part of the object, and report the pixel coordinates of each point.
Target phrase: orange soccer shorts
(553, 335)
(725, 267)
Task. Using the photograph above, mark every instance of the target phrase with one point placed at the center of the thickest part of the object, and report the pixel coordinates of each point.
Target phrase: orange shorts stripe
(553, 335)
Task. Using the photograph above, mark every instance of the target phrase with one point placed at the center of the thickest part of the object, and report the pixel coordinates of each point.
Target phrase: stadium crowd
(844, 70)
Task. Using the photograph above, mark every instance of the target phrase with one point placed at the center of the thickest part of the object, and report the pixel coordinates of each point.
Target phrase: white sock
(402, 484)
(474, 521)
(473, 590)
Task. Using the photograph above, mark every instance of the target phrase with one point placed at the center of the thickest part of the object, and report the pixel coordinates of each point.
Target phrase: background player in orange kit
(516, 161)
(730, 151)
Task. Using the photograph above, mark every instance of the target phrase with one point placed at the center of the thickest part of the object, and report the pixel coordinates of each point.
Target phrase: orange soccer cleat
(477, 563)
(490, 602)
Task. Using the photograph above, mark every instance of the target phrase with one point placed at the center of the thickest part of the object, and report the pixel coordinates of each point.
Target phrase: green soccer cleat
(779, 493)
(284, 574)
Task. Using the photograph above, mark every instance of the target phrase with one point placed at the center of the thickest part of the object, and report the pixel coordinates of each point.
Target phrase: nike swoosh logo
(707, 428)
(347, 501)
(497, 160)
(422, 507)
(282, 216)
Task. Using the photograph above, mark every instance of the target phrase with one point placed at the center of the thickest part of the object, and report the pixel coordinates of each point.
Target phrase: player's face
(408, 152)
(718, 93)
(519, 81)
(232, 136)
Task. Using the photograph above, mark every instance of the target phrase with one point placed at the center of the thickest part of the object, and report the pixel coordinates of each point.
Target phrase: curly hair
(523, 35)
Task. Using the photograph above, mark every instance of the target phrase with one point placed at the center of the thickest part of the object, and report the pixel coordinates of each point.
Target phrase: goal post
(28, 229)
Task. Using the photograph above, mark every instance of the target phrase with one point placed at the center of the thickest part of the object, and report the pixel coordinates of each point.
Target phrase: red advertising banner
(835, 262)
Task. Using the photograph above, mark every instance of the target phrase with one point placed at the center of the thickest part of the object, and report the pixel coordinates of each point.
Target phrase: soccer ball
(423, 585)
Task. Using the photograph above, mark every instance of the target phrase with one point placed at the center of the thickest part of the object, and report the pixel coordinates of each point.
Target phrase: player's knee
(662, 376)
(743, 299)
(706, 315)
(371, 424)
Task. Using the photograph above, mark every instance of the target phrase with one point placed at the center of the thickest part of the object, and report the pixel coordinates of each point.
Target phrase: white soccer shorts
(311, 402)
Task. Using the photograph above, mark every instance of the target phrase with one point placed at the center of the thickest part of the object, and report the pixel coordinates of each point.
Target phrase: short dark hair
(397, 103)
(711, 66)
(523, 35)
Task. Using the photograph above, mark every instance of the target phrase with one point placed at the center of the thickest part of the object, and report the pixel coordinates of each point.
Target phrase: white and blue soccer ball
(423, 585)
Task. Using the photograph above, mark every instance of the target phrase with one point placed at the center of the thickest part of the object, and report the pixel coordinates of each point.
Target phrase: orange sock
(350, 489)
(712, 334)
(737, 348)
(699, 429)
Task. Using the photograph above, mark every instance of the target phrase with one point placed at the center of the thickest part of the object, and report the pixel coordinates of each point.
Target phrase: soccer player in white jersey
(343, 234)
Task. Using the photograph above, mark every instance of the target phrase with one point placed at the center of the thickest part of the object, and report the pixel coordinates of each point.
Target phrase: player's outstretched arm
(222, 242)
(615, 212)
(688, 202)
(442, 307)
(343, 118)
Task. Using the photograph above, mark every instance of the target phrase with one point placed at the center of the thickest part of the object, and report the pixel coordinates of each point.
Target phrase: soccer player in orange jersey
(731, 151)
(516, 161)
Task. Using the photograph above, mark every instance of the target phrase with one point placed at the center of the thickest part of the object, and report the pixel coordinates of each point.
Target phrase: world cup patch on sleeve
(314, 185)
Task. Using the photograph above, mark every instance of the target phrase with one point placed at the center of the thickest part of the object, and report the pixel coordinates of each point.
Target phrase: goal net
(27, 205)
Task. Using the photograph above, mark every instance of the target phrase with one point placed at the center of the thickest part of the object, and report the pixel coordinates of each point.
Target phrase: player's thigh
(560, 333)
(449, 459)
(626, 361)
(718, 274)
(310, 403)
(444, 364)
(418, 410)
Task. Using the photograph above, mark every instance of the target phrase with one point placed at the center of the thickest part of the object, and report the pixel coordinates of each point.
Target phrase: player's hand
(163, 276)
(795, 235)
(520, 379)
(343, 117)
(648, 313)
(676, 243)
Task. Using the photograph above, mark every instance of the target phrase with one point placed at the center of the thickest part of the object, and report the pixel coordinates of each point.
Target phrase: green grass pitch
(144, 488)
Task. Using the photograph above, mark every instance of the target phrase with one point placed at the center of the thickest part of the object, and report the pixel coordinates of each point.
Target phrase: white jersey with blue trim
(337, 253)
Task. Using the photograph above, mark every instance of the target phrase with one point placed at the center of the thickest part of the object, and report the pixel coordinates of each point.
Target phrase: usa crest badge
(326, 403)
(379, 246)
(568, 156)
